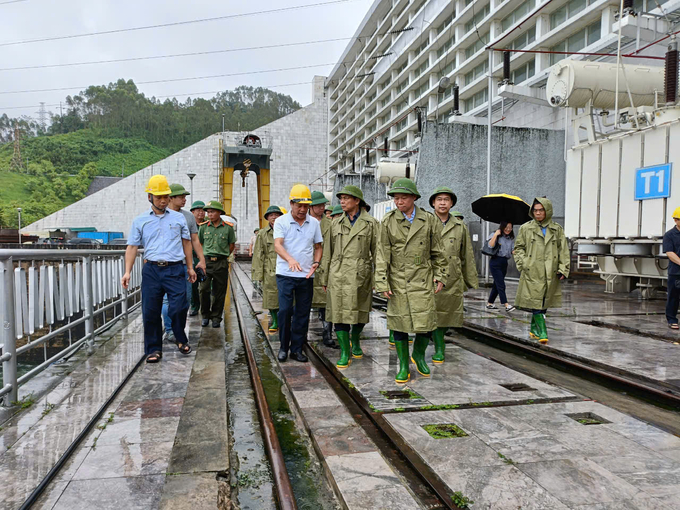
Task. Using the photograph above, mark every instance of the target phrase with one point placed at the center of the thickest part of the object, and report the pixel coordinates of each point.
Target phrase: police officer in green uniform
(218, 240)
(317, 211)
(264, 266)
(410, 270)
(462, 271)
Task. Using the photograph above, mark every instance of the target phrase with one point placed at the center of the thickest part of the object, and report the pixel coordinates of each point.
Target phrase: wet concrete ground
(631, 336)
(539, 447)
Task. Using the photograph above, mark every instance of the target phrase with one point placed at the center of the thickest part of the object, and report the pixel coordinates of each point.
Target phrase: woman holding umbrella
(502, 241)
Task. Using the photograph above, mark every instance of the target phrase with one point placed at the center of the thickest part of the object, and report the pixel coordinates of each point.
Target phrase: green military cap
(329, 207)
(441, 190)
(177, 190)
(214, 204)
(256, 230)
(318, 198)
(198, 204)
(352, 191)
(458, 214)
(405, 186)
(272, 209)
(336, 210)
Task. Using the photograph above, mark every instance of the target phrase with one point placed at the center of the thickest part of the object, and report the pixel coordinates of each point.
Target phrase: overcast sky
(31, 19)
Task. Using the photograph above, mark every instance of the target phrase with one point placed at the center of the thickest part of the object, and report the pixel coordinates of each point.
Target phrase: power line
(13, 2)
(174, 24)
(170, 80)
(192, 54)
(187, 94)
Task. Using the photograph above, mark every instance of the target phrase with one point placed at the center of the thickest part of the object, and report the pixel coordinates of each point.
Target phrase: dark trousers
(157, 281)
(673, 299)
(295, 303)
(195, 298)
(499, 268)
(400, 336)
(213, 290)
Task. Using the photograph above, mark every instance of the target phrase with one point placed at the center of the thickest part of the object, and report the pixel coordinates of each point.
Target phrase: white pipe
(488, 157)
(618, 64)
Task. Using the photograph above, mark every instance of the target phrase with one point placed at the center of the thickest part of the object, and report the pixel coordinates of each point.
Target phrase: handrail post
(89, 301)
(7, 334)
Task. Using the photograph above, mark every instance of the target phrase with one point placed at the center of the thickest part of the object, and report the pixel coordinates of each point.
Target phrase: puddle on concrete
(304, 468)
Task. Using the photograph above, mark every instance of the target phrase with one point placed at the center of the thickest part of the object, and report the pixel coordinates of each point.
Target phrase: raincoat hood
(547, 205)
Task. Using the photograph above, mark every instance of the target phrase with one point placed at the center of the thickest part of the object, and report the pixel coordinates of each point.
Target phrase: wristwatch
(316, 263)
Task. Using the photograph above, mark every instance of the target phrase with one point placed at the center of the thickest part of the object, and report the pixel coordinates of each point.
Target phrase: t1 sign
(653, 182)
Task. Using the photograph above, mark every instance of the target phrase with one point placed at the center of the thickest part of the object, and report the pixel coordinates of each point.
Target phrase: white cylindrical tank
(328, 195)
(572, 83)
(387, 172)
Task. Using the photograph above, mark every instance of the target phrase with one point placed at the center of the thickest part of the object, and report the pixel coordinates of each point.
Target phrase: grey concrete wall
(524, 162)
(373, 191)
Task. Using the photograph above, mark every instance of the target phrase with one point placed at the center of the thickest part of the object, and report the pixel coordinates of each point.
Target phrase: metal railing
(48, 295)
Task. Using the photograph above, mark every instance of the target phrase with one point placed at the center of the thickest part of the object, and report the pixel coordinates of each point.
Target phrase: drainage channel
(251, 470)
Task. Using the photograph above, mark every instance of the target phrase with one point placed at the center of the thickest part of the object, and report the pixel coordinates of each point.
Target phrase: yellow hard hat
(676, 213)
(283, 210)
(300, 194)
(158, 185)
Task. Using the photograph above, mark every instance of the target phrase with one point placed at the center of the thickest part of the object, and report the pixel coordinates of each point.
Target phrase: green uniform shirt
(216, 240)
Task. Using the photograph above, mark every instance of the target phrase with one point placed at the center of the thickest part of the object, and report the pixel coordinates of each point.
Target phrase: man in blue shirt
(671, 247)
(297, 242)
(167, 244)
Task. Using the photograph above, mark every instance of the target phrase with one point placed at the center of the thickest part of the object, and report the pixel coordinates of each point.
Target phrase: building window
(445, 24)
(402, 106)
(477, 100)
(420, 69)
(476, 72)
(386, 83)
(402, 66)
(419, 6)
(578, 41)
(446, 46)
(372, 96)
(477, 18)
(402, 85)
(567, 11)
(523, 72)
(477, 45)
(371, 113)
(421, 90)
(525, 39)
(384, 101)
(370, 128)
(448, 68)
(401, 143)
(401, 124)
(420, 48)
(385, 118)
(447, 93)
(517, 15)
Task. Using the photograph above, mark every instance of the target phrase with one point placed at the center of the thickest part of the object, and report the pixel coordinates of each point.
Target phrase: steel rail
(284, 489)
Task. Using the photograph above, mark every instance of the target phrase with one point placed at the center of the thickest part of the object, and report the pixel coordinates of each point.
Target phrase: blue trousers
(295, 303)
(672, 299)
(166, 318)
(157, 281)
(498, 266)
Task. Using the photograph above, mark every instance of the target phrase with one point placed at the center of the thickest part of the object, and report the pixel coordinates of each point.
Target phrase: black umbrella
(501, 207)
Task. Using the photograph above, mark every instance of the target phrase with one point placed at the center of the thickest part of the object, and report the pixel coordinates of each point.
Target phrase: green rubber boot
(275, 320)
(542, 330)
(356, 343)
(402, 353)
(438, 338)
(418, 356)
(533, 331)
(391, 340)
(343, 340)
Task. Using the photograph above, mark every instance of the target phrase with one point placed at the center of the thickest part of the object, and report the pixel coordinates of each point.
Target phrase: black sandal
(154, 357)
(184, 348)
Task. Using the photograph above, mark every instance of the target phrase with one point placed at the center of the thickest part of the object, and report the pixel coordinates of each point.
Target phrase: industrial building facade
(403, 48)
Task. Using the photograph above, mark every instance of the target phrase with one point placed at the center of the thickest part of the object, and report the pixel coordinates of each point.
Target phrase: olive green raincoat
(264, 267)
(462, 272)
(348, 269)
(410, 257)
(319, 296)
(539, 259)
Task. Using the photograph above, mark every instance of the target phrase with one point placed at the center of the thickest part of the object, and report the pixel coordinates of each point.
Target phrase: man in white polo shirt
(297, 242)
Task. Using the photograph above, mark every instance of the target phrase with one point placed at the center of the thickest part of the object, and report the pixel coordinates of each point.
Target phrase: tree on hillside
(28, 128)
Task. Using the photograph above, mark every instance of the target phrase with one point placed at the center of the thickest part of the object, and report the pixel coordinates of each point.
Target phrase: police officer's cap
(214, 204)
(443, 190)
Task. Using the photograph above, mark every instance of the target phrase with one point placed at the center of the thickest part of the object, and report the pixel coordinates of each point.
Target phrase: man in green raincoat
(410, 270)
(348, 271)
(317, 210)
(462, 271)
(264, 266)
(542, 257)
